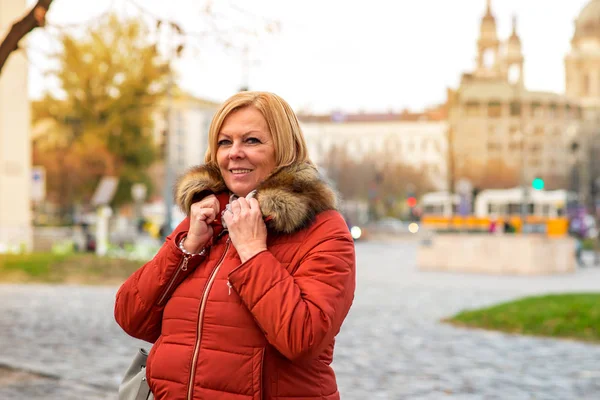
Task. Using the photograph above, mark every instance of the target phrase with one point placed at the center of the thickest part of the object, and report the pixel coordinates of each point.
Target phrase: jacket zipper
(181, 268)
(209, 284)
(262, 376)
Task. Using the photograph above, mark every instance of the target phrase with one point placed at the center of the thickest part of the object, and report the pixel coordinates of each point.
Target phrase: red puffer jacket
(263, 329)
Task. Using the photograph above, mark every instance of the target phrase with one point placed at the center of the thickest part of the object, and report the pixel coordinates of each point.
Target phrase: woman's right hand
(202, 213)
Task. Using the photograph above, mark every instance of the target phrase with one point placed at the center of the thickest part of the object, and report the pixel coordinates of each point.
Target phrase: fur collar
(289, 199)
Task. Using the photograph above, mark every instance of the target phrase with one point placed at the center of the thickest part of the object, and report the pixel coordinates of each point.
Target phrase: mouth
(240, 171)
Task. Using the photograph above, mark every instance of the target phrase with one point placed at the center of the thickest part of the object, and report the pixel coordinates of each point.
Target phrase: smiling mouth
(240, 171)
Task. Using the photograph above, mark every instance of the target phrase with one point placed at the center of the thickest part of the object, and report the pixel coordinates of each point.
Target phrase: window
(535, 148)
(514, 208)
(538, 131)
(489, 58)
(472, 109)
(515, 109)
(494, 146)
(546, 210)
(514, 73)
(536, 109)
(494, 109)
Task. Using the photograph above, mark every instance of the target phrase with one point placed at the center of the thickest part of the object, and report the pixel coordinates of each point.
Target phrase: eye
(223, 142)
(253, 140)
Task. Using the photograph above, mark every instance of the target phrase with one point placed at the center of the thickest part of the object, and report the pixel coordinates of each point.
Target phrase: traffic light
(537, 184)
(411, 201)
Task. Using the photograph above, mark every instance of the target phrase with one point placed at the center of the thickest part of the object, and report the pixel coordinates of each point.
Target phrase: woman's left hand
(247, 230)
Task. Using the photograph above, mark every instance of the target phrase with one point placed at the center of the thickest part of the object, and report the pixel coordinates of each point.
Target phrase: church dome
(588, 22)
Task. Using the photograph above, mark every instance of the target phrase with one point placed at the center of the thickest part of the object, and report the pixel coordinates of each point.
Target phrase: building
(582, 81)
(415, 139)
(494, 118)
(190, 119)
(15, 147)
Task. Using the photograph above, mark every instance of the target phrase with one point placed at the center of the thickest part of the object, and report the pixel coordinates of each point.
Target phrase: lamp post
(514, 79)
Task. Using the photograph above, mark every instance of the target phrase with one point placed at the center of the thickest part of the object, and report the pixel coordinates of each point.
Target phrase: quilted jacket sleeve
(301, 313)
(141, 299)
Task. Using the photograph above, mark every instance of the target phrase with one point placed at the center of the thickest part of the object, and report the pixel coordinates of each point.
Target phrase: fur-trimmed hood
(289, 199)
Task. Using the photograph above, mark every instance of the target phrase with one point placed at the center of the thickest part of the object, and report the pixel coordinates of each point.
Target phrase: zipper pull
(185, 263)
(229, 286)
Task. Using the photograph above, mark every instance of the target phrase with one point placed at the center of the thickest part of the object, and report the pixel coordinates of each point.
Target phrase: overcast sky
(371, 55)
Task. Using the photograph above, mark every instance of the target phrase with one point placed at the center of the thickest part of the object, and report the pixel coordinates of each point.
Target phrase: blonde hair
(289, 142)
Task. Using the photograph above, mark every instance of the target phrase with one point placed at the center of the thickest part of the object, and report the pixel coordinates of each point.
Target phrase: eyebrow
(243, 135)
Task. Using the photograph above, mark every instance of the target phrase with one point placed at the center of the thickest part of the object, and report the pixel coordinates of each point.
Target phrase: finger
(210, 201)
(208, 215)
(227, 217)
(253, 204)
(244, 207)
(214, 203)
(235, 206)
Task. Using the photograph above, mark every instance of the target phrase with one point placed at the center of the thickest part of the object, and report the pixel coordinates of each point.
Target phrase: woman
(245, 297)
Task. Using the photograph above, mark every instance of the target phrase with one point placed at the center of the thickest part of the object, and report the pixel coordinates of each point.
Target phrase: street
(392, 346)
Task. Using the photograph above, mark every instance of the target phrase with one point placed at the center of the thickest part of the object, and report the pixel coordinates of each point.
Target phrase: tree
(494, 174)
(379, 178)
(36, 17)
(111, 79)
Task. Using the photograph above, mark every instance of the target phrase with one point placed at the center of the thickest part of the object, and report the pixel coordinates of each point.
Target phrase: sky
(369, 56)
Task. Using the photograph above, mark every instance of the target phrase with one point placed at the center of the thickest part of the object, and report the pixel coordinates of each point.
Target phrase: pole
(524, 200)
(451, 174)
(168, 189)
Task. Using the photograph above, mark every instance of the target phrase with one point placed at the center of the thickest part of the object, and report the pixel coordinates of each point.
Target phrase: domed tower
(488, 46)
(514, 59)
(582, 64)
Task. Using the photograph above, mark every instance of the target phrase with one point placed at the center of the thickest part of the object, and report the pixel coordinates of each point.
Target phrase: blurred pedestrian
(245, 297)
(577, 231)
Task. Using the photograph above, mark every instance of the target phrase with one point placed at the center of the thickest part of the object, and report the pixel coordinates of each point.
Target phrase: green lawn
(65, 268)
(573, 316)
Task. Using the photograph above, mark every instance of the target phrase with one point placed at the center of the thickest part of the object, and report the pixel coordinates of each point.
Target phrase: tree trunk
(34, 18)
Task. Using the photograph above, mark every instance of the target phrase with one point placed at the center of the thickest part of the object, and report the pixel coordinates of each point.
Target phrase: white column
(15, 147)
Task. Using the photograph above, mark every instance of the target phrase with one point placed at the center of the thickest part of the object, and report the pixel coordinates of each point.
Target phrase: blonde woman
(244, 299)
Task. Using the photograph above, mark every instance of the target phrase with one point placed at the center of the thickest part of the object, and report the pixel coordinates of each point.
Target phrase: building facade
(582, 81)
(494, 118)
(184, 120)
(15, 147)
(415, 139)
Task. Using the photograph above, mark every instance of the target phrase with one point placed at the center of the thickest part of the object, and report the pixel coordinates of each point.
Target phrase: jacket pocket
(258, 362)
(150, 359)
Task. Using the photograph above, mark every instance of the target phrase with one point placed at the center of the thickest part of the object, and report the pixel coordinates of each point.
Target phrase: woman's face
(245, 150)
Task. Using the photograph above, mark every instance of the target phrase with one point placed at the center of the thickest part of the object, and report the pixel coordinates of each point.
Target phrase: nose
(235, 151)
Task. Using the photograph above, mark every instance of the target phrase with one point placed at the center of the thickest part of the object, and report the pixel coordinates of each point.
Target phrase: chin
(240, 191)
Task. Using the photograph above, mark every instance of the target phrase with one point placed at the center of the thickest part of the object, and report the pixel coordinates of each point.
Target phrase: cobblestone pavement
(391, 346)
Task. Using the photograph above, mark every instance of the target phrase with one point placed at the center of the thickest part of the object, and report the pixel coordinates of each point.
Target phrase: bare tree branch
(35, 17)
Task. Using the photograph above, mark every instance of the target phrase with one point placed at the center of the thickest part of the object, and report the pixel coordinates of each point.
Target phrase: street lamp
(514, 79)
